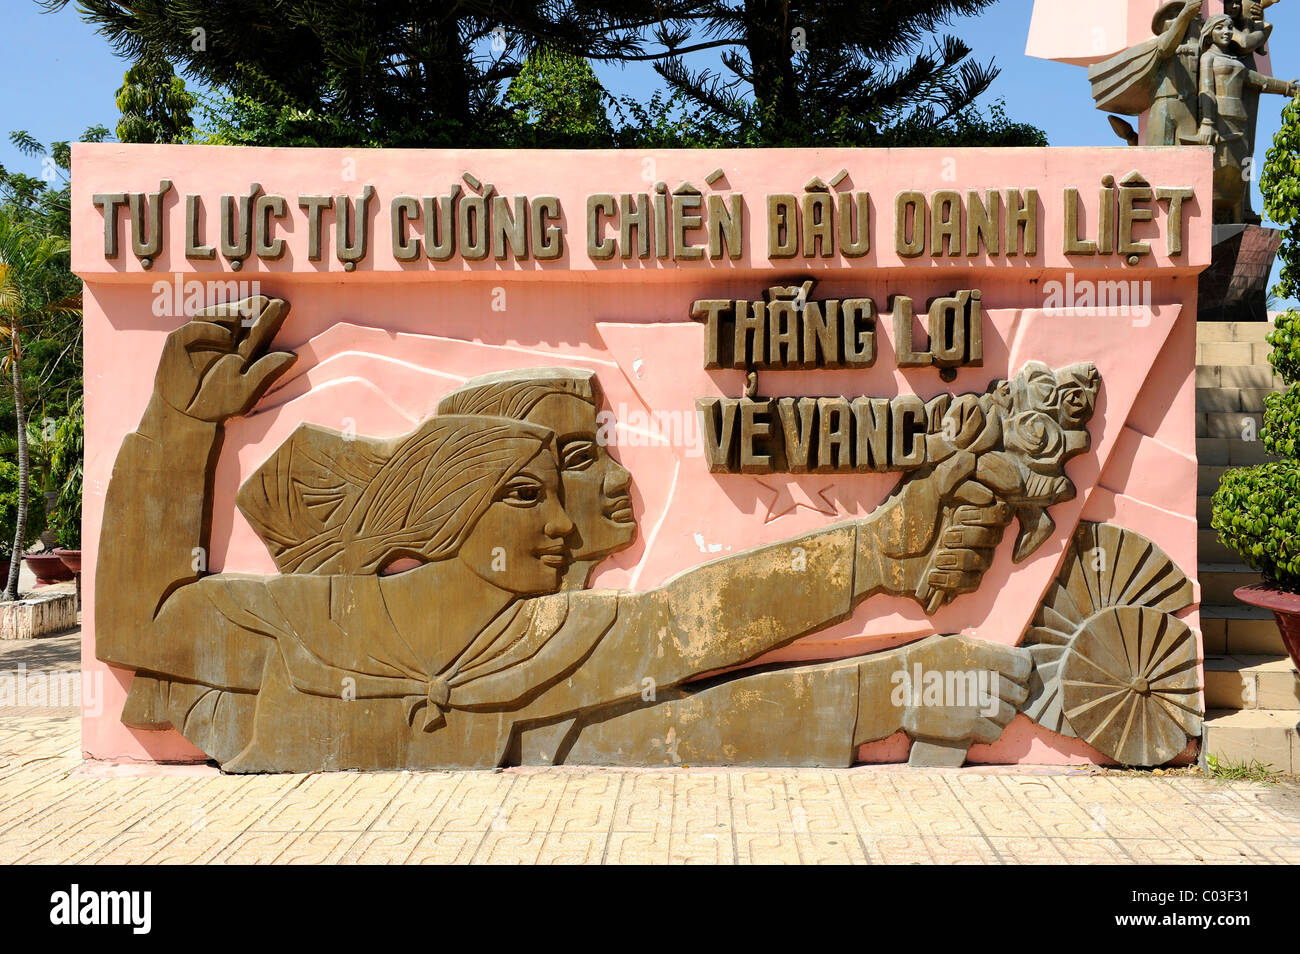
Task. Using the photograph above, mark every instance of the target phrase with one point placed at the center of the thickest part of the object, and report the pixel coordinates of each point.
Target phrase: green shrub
(1256, 510)
(9, 510)
(1256, 513)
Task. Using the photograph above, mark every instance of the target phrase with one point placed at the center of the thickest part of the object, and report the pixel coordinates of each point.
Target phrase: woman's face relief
(597, 488)
(519, 543)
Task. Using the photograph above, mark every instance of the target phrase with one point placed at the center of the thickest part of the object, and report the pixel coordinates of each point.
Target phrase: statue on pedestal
(1197, 84)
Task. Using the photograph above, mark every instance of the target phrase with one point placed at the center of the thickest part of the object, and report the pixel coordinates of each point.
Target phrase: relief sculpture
(432, 607)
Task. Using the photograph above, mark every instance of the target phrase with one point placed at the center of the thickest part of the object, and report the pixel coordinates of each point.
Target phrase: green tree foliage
(830, 72)
(430, 73)
(51, 353)
(361, 73)
(558, 101)
(32, 296)
(9, 511)
(1256, 510)
(66, 455)
(154, 103)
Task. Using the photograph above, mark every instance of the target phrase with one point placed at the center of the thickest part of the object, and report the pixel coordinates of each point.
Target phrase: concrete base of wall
(38, 615)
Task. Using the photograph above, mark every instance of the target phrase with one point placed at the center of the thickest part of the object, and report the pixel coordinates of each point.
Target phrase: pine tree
(362, 72)
(433, 73)
(821, 72)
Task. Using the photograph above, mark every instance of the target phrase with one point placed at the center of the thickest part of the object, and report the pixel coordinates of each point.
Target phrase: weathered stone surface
(1112, 664)
(431, 609)
(40, 614)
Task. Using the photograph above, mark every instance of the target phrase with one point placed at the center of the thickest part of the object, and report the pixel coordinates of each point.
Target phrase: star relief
(785, 497)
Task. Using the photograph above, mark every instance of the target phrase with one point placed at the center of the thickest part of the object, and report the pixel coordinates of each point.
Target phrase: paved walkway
(54, 809)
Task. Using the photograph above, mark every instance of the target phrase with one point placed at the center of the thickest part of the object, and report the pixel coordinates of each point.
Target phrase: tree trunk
(16, 561)
(769, 44)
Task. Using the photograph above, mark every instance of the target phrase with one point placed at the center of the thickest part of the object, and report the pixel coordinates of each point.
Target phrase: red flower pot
(1286, 610)
(48, 568)
(71, 559)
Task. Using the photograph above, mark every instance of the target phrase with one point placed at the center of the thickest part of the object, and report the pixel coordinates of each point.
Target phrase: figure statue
(1227, 122)
(1197, 83)
(1159, 75)
(430, 610)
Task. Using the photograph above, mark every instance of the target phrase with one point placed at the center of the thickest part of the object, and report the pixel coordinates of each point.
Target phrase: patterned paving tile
(53, 809)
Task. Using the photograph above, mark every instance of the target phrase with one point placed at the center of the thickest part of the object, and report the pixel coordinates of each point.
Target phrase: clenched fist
(216, 366)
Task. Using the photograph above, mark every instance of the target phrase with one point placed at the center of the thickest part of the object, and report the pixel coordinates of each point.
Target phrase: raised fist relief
(216, 366)
(994, 457)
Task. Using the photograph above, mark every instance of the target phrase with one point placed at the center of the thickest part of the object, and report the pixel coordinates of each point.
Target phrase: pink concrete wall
(379, 347)
(1083, 33)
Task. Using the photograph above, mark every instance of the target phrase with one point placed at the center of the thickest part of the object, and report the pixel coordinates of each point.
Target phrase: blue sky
(58, 77)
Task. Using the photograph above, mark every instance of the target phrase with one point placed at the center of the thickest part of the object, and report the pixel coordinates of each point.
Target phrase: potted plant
(1256, 510)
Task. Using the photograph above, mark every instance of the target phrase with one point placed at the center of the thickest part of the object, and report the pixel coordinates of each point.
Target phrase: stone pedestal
(1235, 286)
(38, 615)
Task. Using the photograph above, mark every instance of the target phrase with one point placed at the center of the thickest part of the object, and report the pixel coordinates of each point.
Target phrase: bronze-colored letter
(314, 206)
(598, 205)
(904, 356)
(633, 215)
(686, 218)
(945, 223)
(1022, 222)
(404, 208)
(909, 205)
(510, 228)
(1074, 243)
(109, 203)
(982, 222)
(782, 225)
(146, 240)
(1174, 222)
(718, 416)
(818, 229)
(548, 240)
(711, 312)
(726, 226)
(352, 228)
(859, 332)
(1133, 190)
(264, 209)
(852, 246)
(194, 247)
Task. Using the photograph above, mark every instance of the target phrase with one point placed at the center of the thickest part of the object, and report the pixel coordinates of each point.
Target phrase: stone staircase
(1252, 690)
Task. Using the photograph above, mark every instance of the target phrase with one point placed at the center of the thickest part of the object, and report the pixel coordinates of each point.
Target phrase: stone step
(1203, 511)
(1214, 332)
(1210, 549)
(1226, 452)
(1251, 682)
(1219, 580)
(1233, 353)
(1207, 479)
(1237, 376)
(1247, 735)
(1233, 425)
(1240, 629)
